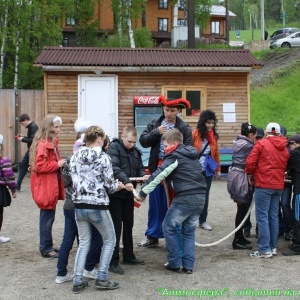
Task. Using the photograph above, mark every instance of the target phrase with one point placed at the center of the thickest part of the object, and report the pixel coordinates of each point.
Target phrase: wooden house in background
(107, 85)
(158, 17)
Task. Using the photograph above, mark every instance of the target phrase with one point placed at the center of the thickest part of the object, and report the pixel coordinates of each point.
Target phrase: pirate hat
(179, 103)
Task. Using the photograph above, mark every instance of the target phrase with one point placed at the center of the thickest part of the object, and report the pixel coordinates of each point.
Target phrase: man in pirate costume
(152, 137)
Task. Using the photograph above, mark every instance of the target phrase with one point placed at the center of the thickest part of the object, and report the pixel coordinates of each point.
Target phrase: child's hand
(146, 177)
(129, 187)
(121, 186)
(14, 195)
(61, 162)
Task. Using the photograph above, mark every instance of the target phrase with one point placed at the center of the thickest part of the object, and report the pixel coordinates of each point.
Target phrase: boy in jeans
(183, 173)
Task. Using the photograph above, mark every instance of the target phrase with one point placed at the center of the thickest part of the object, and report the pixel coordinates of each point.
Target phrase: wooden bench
(225, 160)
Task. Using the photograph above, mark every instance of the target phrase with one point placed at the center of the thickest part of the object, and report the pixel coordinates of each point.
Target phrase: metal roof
(146, 57)
(219, 10)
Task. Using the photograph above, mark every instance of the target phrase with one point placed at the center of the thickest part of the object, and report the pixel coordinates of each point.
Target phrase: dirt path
(24, 274)
(273, 62)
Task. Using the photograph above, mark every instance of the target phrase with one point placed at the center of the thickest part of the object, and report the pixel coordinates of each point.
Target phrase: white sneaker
(274, 251)
(62, 279)
(205, 226)
(258, 254)
(90, 274)
(4, 239)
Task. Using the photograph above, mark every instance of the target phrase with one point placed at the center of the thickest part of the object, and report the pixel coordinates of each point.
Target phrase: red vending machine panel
(146, 108)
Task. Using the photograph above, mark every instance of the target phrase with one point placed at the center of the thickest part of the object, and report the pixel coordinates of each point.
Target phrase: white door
(98, 103)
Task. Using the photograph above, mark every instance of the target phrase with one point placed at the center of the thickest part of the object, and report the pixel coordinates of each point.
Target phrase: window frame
(163, 2)
(214, 27)
(184, 89)
(158, 20)
(70, 21)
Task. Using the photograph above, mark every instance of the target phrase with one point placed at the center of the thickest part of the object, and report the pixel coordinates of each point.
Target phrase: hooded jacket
(151, 138)
(237, 181)
(294, 169)
(92, 177)
(126, 163)
(182, 171)
(267, 162)
(46, 179)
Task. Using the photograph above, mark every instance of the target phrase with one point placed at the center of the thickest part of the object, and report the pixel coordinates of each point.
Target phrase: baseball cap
(273, 128)
(295, 138)
(260, 132)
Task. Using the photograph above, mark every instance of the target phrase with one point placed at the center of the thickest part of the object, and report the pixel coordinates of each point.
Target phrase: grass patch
(278, 101)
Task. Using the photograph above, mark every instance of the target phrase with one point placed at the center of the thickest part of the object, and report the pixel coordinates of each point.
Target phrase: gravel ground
(226, 273)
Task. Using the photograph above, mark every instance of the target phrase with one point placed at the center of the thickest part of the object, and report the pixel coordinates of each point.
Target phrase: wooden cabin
(107, 85)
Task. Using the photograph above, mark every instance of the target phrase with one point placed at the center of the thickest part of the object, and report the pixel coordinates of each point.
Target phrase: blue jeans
(184, 211)
(286, 221)
(70, 232)
(203, 216)
(47, 217)
(266, 210)
(101, 219)
(23, 168)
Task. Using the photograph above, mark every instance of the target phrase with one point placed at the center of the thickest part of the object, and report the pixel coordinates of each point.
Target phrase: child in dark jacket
(7, 181)
(183, 173)
(127, 162)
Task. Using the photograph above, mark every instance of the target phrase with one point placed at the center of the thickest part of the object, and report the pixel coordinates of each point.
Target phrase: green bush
(143, 38)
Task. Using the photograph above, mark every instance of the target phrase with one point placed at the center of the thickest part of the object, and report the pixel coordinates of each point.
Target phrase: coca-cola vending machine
(146, 108)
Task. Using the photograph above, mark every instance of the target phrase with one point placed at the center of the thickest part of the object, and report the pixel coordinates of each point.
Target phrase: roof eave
(101, 69)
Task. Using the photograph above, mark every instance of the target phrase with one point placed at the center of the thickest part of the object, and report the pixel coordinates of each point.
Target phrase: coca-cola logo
(146, 100)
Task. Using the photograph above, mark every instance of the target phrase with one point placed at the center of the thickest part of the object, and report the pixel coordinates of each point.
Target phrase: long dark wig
(201, 126)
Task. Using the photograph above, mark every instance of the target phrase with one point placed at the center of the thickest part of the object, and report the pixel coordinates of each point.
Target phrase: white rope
(231, 233)
(197, 244)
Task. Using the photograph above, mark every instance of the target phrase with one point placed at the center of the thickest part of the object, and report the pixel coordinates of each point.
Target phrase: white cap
(1, 139)
(273, 128)
(81, 125)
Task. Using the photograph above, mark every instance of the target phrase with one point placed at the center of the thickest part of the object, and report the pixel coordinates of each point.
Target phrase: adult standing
(239, 188)
(293, 168)
(32, 128)
(267, 163)
(205, 139)
(46, 180)
(152, 137)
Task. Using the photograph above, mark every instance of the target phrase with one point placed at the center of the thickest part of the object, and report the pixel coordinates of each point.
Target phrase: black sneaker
(148, 243)
(116, 269)
(187, 271)
(169, 268)
(106, 285)
(79, 288)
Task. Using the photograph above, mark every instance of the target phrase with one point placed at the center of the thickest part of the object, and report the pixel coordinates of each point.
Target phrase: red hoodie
(267, 162)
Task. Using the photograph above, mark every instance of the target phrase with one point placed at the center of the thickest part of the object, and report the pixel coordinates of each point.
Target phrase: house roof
(146, 59)
(219, 10)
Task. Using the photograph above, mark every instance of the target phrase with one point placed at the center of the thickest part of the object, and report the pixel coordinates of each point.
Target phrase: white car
(293, 40)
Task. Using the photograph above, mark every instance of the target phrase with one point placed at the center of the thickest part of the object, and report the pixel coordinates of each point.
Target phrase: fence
(12, 105)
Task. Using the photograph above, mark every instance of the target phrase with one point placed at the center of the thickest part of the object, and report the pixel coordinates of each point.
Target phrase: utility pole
(227, 22)
(262, 19)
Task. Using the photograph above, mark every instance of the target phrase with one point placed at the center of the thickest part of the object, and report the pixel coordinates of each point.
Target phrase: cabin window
(195, 94)
(215, 27)
(163, 4)
(163, 24)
